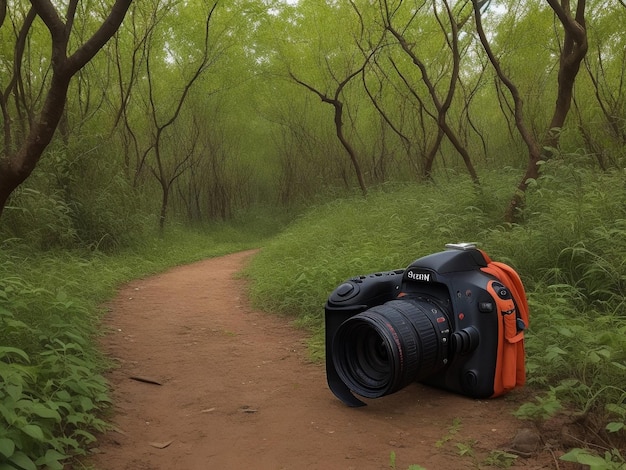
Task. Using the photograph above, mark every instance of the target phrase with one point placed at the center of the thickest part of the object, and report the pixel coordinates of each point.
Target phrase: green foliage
(500, 459)
(75, 201)
(575, 272)
(611, 460)
(52, 393)
(42, 220)
(48, 400)
(542, 409)
(453, 430)
(266, 137)
(269, 138)
(570, 252)
(388, 229)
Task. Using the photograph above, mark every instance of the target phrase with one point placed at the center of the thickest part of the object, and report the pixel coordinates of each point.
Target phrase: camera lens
(385, 348)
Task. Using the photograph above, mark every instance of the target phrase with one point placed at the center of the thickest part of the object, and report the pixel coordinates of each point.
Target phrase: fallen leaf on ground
(160, 445)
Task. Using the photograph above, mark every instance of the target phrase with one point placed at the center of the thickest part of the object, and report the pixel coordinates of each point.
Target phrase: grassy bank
(570, 251)
(52, 393)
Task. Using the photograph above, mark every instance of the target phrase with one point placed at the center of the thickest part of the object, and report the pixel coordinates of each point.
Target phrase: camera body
(450, 319)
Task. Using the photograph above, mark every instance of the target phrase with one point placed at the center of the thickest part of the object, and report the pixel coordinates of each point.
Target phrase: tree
(442, 101)
(603, 126)
(572, 52)
(28, 131)
(347, 58)
(534, 149)
(167, 172)
(154, 92)
(338, 106)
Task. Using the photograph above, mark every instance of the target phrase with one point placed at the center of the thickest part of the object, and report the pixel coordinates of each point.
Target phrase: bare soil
(204, 381)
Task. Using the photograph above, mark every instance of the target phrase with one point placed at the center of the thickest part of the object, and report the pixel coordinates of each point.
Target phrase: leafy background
(253, 160)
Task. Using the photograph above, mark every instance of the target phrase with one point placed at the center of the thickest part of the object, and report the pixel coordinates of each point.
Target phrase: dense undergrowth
(53, 397)
(569, 249)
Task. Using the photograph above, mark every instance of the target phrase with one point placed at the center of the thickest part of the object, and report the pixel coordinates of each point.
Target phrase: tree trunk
(346, 145)
(338, 119)
(16, 167)
(442, 107)
(572, 54)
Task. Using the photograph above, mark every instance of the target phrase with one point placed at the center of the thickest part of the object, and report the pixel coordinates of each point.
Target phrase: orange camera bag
(512, 321)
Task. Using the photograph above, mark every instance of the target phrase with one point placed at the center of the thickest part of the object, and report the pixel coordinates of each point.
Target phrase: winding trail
(206, 382)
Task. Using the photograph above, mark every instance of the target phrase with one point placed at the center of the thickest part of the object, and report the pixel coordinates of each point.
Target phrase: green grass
(390, 228)
(52, 393)
(570, 251)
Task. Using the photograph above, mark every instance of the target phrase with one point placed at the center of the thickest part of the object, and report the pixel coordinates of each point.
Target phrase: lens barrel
(383, 349)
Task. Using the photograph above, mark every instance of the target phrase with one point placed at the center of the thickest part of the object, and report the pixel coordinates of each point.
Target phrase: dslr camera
(453, 319)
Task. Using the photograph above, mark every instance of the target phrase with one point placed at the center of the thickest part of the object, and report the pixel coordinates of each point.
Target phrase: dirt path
(237, 392)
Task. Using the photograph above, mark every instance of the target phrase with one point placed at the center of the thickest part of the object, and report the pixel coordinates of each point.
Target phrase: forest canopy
(196, 110)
